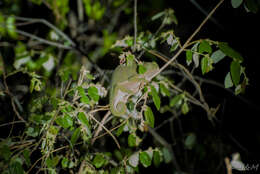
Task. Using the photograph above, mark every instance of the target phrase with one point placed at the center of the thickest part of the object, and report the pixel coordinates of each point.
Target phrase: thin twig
(99, 136)
(43, 40)
(100, 127)
(58, 31)
(135, 23)
(11, 123)
(92, 117)
(80, 10)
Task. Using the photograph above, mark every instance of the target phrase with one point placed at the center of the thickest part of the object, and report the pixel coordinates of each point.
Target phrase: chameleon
(127, 82)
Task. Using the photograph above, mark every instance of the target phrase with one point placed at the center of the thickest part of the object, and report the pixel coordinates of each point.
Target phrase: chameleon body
(127, 82)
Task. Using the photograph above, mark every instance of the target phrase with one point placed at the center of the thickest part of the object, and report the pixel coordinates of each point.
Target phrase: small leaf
(158, 15)
(134, 159)
(188, 57)
(141, 69)
(68, 120)
(238, 89)
(82, 117)
(228, 81)
(206, 65)
(99, 160)
(64, 162)
(176, 100)
(132, 140)
(164, 91)
(224, 47)
(93, 93)
(236, 3)
(195, 58)
(84, 98)
(235, 72)
(149, 117)
(205, 47)
(156, 98)
(217, 56)
(75, 136)
(167, 155)
(156, 158)
(11, 28)
(185, 108)
(120, 130)
(190, 141)
(145, 159)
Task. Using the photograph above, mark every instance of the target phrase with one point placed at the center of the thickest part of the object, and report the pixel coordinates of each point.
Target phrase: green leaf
(68, 120)
(217, 56)
(224, 47)
(99, 160)
(176, 100)
(32, 132)
(149, 117)
(64, 162)
(141, 69)
(158, 15)
(82, 117)
(75, 136)
(11, 28)
(235, 72)
(164, 91)
(205, 47)
(167, 155)
(120, 130)
(185, 108)
(238, 89)
(228, 81)
(132, 140)
(156, 98)
(188, 57)
(134, 159)
(130, 60)
(156, 158)
(93, 93)
(52, 162)
(84, 98)
(65, 121)
(206, 65)
(145, 159)
(118, 155)
(236, 3)
(190, 141)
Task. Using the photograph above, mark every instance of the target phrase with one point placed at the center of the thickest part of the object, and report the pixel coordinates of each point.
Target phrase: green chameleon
(127, 82)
